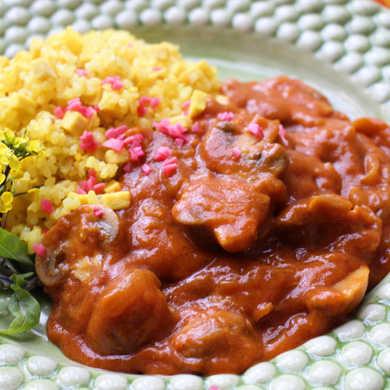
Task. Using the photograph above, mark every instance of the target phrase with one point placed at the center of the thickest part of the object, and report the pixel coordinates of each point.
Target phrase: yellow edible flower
(13, 161)
(3, 154)
(6, 200)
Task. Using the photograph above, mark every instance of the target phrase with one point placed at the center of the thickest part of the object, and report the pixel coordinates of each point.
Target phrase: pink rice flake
(96, 108)
(116, 132)
(98, 211)
(75, 105)
(225, 116)
(80, 191)
(236, 153)
(282, 131)
(179, 142)
(213, 387)
(59, 112)
(39, 249)
(114, 81)
(144, 101)
(135, 139)
(146, 169)
(98, 188)
(91, 184)
(163, 126)
(195, 128)
(44, 231)
(186, 105)
(170, 161)
(256, 130)
(88, 142)
(155, 102)
(175, 130)
(136, 152)
(86, 111)
(157, 68)
(47, 206)
(81, 72)
(127, 167)
(167, 170)
(114, 144)
(163, 152)
(141, 111)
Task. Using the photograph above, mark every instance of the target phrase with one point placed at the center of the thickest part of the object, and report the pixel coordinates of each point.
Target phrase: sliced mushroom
(341, 298)
(75, 236)
(232, 210)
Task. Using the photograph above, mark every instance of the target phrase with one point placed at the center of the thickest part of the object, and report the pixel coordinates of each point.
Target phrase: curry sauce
(266, 232)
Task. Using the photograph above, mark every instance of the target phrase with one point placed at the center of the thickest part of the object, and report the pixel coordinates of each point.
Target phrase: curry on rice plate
(193, 226)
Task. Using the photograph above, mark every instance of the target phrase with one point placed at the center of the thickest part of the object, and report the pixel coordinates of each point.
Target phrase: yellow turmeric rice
(67, 92)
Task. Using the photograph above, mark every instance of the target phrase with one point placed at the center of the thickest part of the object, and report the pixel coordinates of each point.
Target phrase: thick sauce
(236, 257)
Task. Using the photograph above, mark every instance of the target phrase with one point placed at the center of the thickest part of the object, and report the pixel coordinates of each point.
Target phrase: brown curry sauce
(230, 260)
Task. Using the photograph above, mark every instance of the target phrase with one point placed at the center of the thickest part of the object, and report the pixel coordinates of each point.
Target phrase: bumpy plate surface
(341, 47)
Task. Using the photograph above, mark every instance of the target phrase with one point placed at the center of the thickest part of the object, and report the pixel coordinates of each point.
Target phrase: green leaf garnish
(24, 308)
(12, 247)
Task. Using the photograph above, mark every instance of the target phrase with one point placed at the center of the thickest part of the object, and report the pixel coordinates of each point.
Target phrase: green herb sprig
(16, 265)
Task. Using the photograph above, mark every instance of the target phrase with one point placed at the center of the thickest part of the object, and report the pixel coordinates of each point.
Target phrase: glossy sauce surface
(231, 260)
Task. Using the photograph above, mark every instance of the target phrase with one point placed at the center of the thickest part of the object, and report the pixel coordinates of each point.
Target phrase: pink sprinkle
(163, 126)
(135, 139)
(44, 231)
(225, 116)
(39, 249)
(81, 191)
(91, 184)
(98, 211)
(167, 170)
(59, 112)
(195, 128)
(156, 68)
(185, 113)
(283, 133)
(213, 388)
(81, 72)
(236, 153)
(114, 144)
(163, 152)
(74, 105)
(47, 206)
(136, 152)
(155, 102)
(114, 81)
(88, 142)
(256, 130)
(74, 101)
(170, 161)
(127, 167)
(98, 188)
(141, 110)
(144, 100)
(85, 111)
(129, 45)
(146, 169)
(116, 132)
(179, 142)
(97, 108)
(185, 105)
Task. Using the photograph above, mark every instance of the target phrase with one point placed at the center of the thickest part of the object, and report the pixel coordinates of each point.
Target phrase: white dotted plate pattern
(353, 37)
